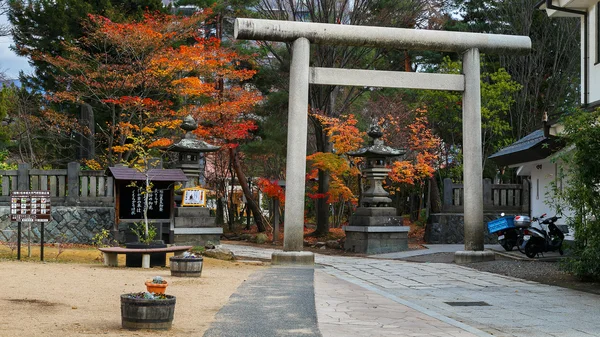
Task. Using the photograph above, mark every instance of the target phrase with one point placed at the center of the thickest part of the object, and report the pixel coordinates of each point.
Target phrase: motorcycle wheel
(506, 245)
(530, 250)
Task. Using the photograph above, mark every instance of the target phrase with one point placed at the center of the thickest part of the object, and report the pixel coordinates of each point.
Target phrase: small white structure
(532, 156)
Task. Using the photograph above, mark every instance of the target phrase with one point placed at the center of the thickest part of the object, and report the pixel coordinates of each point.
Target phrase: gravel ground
(532, 270)
(67, 299)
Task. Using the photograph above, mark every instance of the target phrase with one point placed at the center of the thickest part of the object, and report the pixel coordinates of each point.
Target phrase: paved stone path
(272, 302)
(345, 309)
(504, 306)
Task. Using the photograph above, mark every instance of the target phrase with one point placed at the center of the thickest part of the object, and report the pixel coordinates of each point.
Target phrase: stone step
(194, 222)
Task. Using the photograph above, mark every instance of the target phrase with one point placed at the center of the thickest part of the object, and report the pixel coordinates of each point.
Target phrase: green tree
(445, 113)
(549, 74)
(580, 194)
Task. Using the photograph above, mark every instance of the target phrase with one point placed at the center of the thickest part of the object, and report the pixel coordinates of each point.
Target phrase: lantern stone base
(376, 239)
(376, 230)
(194, 226)
(375, 216)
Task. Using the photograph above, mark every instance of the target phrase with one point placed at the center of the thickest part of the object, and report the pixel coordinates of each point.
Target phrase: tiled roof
(534, 146)
(126, 173)
(524, 143)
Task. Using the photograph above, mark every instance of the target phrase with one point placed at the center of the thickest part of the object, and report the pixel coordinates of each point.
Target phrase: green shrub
(581, 195)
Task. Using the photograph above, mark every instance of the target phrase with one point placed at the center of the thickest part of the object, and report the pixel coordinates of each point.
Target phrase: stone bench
(111, 253)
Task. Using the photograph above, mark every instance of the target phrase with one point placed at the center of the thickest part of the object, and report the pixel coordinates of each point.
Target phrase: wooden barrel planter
(186, 266)
(141, 313)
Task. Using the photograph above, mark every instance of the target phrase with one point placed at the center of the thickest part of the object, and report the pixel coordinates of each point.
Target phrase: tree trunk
(230, 204)
(256, 213)
(219, 219)
(322, 205)
(434, 197)
(248, 214)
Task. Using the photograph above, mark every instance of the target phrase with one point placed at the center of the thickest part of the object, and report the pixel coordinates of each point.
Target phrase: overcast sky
(10, 63)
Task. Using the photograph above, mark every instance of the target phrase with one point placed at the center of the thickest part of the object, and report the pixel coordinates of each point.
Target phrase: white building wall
(542, 174)
(593, 86)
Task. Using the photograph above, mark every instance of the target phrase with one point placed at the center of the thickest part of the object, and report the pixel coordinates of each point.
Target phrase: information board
(131, 202)
(30, 206)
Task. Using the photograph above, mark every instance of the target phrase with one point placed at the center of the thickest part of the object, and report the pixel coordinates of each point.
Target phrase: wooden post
(73, 183)
(525, 197)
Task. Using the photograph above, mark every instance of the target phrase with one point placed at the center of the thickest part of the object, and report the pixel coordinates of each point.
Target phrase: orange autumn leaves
(416, 166)
(149, 74)
(271, 189)
(423, 145)
(345, 137)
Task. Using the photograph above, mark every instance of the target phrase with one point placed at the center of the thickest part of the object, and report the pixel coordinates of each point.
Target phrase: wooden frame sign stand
(194, 196)
(30, 206)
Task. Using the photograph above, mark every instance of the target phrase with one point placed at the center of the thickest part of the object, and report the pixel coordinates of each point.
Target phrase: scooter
(522, 222)
(539, 240)
(509, 230)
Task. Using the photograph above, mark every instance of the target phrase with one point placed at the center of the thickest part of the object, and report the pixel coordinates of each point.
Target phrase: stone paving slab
(431, 249)
(516, 308)
(275, 302)
(345, 309)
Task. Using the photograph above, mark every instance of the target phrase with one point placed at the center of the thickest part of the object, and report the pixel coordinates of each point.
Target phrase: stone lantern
(374, 228)
(189, 150)
(193, 225)
(376, 156)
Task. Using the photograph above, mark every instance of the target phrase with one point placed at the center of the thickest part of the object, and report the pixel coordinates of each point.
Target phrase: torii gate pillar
(302, 34)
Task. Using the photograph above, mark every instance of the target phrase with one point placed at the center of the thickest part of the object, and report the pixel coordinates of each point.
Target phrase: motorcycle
(509, 230)
(539, 240)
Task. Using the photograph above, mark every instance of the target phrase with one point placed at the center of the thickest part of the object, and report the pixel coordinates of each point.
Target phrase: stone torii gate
(302, 34)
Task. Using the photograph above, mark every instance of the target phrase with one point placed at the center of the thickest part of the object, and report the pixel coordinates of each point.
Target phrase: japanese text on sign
(30, 206)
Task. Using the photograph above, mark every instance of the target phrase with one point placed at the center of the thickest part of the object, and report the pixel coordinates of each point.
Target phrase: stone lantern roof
(189, 142)
(377, 149)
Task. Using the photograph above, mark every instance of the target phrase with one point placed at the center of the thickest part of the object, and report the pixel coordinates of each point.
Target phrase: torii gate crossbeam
(302, 34)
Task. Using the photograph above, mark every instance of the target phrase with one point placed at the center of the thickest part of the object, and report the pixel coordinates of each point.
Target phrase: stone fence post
(487, 192)
(23, 177)
(448, 193)
(73, 170)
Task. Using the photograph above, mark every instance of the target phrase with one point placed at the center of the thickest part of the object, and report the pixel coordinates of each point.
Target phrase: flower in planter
(159, 280)
(157, 285)
(147, 296)
(188, 255)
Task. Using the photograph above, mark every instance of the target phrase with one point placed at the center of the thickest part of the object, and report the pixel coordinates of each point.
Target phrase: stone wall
(449, 228)
(78, 224)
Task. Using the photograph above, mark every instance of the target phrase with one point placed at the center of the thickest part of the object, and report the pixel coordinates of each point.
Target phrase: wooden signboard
(194, 196)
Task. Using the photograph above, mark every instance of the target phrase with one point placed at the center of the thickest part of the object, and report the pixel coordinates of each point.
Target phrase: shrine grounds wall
(78, 224)
(82, 202)
(448, 228)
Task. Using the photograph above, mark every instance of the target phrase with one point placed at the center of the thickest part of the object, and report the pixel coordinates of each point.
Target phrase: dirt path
(57, 299)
